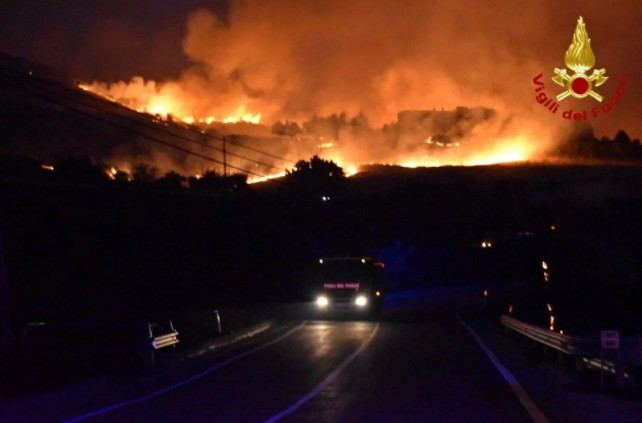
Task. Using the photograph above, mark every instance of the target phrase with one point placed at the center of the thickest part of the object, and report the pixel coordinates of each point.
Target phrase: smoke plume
(280, 61)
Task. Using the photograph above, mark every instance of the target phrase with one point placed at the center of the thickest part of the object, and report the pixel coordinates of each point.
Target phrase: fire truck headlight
(322, 301)
(361, 301)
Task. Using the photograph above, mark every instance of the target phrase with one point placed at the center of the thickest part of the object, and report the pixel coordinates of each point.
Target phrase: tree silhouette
(237, 181)
(315, 177)
(121, 177)
(171, 181)
(215, 181)
(289, 129)
(144, 174)
(79, 170)
(581, 143)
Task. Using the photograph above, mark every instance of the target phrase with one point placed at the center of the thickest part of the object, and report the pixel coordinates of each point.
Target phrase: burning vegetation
(349, 83)
(315, 89)
(417, 138)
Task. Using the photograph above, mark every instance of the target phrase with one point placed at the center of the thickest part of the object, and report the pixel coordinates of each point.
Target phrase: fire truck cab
(349, 284)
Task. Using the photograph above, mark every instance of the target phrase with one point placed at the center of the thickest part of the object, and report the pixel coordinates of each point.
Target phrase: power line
(200, 133)
(202, 144)
(154, 127)
(240, 145)
(142, 134)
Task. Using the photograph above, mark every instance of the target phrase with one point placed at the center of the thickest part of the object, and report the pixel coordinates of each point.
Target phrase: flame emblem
(580, 58)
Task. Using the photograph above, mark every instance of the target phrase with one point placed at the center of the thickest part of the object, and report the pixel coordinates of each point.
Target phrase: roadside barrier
(586, 351)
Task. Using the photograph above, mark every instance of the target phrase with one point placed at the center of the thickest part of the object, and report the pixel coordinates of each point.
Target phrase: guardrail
(163, 339)
(565, 343)
(5, 315)
(586, 351)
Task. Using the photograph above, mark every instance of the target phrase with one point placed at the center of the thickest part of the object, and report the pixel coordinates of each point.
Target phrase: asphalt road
(418, 364)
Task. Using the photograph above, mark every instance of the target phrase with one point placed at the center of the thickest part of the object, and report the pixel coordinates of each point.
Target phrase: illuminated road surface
(420, 366)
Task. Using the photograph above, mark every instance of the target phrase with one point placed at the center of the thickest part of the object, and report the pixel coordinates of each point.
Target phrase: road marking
(222, 342)
(317, 389)
(182, 383)
(522, 395)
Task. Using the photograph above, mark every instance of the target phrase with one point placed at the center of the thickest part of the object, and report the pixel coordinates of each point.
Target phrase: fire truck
(349, 284)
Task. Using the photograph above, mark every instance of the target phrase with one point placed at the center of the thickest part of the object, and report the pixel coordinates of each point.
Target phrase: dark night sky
(107, 39)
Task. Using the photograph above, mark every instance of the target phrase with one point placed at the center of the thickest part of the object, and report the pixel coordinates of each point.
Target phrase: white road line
(522, 395)
(317, 389)
(183, 382)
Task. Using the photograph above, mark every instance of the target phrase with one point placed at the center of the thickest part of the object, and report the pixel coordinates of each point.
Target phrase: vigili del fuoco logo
(578, 82)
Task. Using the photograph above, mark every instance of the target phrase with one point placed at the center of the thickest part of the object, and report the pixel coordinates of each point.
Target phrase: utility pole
(224, 157)
(5, 328)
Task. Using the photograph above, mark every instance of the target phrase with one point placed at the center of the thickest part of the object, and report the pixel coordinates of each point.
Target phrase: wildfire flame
(428, 152)
(159, 102)
(256, 179)
(111, 173)
(277, 72)
(513, 151)
(579, 56)
(508, 151)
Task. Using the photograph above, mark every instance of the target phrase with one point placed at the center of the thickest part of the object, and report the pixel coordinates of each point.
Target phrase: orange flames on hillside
(162, 103)
(348, 82)
(510, 151)
(486, 147)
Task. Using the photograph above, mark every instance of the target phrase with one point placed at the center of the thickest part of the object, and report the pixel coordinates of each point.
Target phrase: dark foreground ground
(85, 252)
(420, 363)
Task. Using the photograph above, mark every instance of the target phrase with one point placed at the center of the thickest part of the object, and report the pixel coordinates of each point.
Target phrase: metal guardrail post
(218, 322)
(5, 306)
(167, 339)
(602, 368)
(619, 369)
